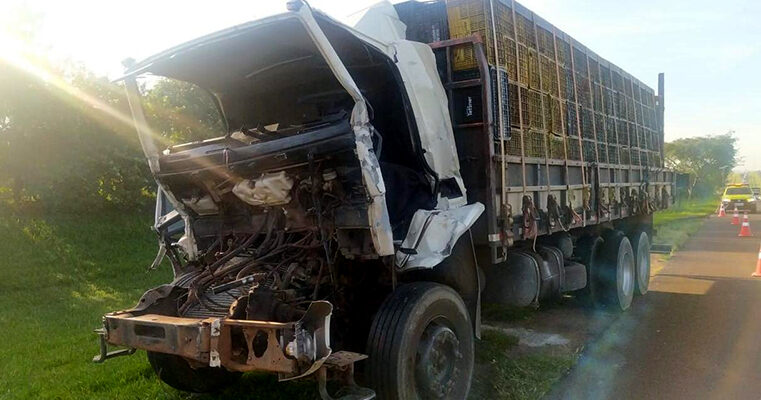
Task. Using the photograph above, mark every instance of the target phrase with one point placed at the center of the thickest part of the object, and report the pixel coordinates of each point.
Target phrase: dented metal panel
(417, 66)
(433, 234)
(380, 227)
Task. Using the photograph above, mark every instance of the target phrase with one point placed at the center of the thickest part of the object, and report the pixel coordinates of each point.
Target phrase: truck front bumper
(292, 349)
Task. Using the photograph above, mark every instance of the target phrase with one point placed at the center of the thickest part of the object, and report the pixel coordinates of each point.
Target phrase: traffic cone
(757, 274)
(736, 217)
(721, 211)
(745, 228)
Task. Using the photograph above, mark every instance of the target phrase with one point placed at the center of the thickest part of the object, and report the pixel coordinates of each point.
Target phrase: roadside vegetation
(704, 164)
(675, 225)
(504, 371)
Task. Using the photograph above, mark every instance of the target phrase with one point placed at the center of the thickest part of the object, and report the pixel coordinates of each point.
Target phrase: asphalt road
(695, 335)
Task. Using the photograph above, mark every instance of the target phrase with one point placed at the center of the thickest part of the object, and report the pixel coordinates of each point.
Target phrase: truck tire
(176, 372)
(457, 271)
(641, 246)
(617, 272)
(421, 345)
(589, 252)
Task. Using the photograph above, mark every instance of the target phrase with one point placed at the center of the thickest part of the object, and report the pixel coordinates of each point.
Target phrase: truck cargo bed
(578, 141)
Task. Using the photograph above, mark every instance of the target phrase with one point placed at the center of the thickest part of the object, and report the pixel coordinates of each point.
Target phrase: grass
(675, 225)
(504, 373)
(60, 274)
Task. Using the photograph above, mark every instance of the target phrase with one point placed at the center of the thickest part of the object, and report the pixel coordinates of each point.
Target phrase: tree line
(67, 142)
(705, 161)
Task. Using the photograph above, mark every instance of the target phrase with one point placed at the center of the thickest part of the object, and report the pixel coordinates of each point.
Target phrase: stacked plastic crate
(563, 101)
(426, 20)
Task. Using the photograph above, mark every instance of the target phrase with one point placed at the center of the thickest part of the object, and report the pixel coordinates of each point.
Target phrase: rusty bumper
(292, 349)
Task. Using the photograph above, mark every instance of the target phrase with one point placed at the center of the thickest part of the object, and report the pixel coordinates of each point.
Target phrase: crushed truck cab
(362, 191)
(338, 145)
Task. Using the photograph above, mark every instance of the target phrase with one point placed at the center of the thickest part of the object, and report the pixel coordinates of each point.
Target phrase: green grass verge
(675, 225)
(503, 373)
(59, 276)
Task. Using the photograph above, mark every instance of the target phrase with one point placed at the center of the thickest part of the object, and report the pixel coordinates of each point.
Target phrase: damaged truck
(371, 185)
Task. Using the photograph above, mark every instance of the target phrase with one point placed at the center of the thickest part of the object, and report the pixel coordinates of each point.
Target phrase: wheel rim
(644, 270)
(627, 278)
(437, 359)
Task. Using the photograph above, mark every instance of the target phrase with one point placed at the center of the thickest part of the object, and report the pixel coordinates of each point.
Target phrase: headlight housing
(725, 200)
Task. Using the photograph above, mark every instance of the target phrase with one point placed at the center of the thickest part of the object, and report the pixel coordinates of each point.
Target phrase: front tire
(176, 372)
(421, 345)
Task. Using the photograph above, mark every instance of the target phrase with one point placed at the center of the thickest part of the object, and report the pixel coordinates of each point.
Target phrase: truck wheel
(457, 271)
(617, 272)
(421, 345)
(176, 372)
(589, 252)
(641, 246)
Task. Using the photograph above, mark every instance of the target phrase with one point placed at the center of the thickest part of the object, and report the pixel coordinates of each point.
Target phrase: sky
(709, 51)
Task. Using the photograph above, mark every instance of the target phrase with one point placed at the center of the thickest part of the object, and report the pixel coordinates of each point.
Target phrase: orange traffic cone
(745, 228)
(721, 211)
(736, 217)
(757, 274)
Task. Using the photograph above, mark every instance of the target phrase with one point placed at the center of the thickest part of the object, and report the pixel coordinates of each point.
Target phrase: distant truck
(368, 192)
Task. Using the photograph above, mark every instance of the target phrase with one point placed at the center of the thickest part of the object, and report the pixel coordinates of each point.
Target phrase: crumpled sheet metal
(433, 234)
(380, 226)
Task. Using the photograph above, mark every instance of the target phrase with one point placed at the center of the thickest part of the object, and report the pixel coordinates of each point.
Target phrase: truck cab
(291, 227)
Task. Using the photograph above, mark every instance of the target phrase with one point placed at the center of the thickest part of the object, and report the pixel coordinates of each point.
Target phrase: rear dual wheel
(421, 344)
(618, 273)
(611, 270)
(641, 246)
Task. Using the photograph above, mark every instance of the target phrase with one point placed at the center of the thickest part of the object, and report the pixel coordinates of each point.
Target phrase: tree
(182, 112)
(67, 141)
(707, 160)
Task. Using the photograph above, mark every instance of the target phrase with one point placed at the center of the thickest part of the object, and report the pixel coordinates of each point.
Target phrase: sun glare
(24, 57)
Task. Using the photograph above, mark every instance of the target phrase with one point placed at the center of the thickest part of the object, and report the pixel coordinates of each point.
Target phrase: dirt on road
(695, 335)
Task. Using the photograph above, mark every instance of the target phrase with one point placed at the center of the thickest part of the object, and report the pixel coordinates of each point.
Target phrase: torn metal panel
(433, 234)
(380, 22)
(380, 227)
(417, 66)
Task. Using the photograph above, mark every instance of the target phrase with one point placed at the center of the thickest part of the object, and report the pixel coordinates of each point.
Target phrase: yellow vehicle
(739, 196)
